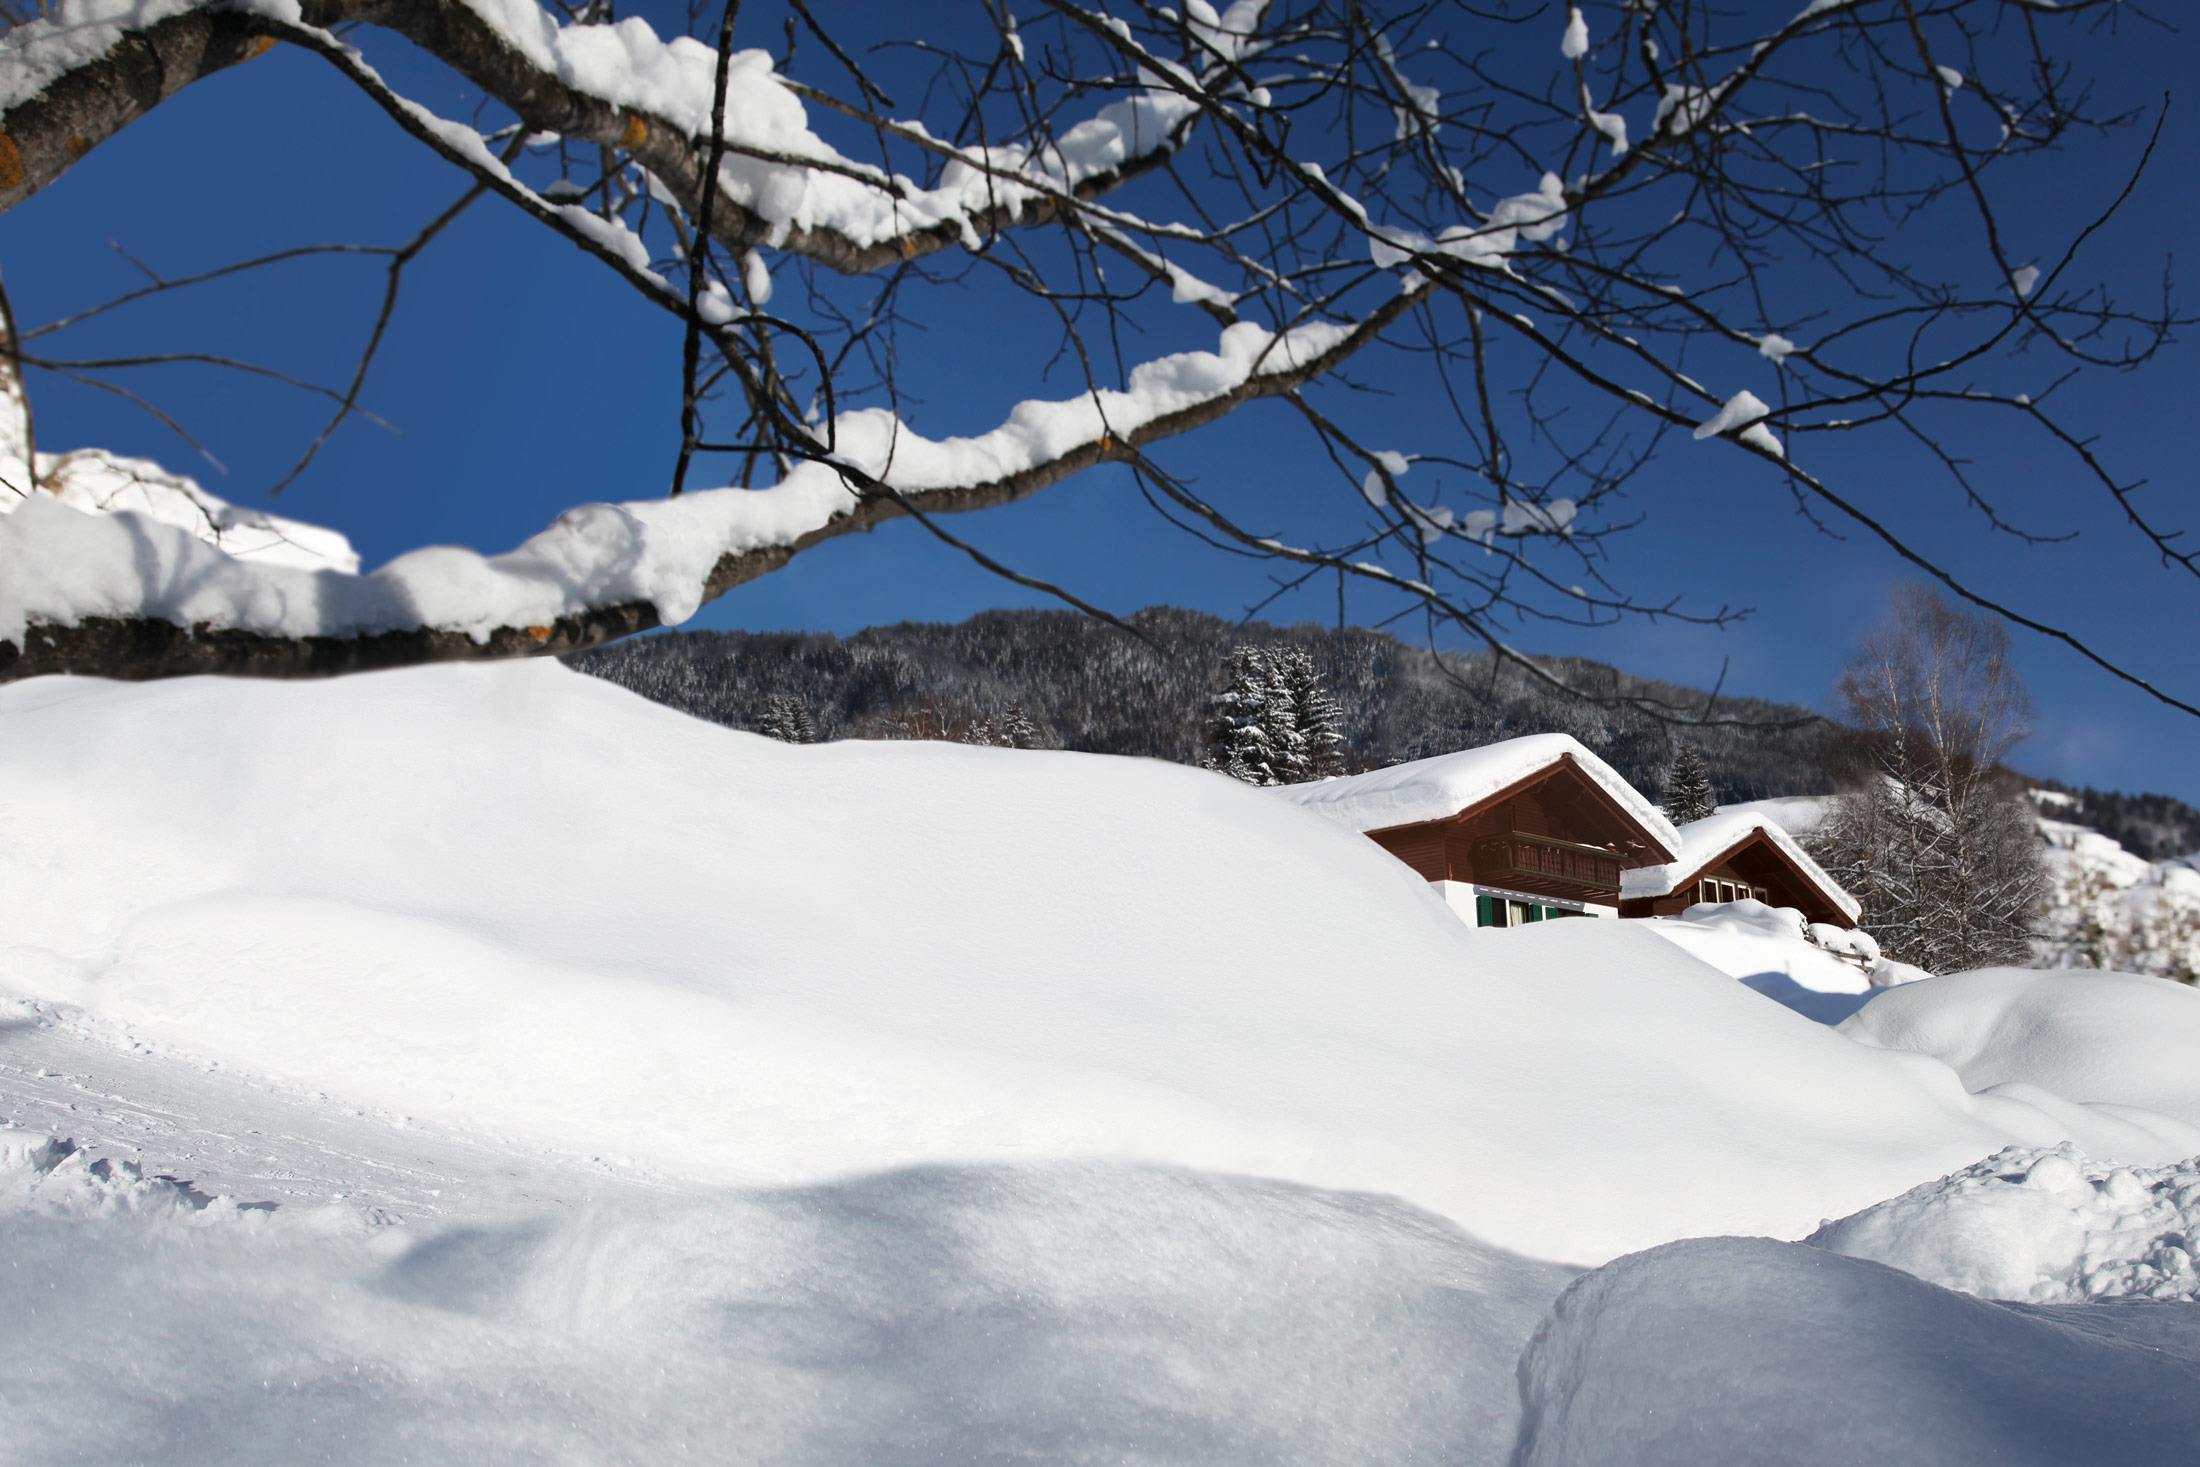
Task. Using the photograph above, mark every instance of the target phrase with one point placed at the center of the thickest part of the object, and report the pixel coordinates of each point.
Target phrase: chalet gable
(1537, 825)
(1451, 785)
(1732, 855)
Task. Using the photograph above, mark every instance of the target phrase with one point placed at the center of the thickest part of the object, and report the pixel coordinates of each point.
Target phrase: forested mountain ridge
(1089, 687)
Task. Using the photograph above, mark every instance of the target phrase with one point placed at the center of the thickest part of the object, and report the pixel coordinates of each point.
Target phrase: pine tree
(1688, 787)
(1241, 737)
(1280, 721)
(787, 720)
(1016, 730)
(1308, 724)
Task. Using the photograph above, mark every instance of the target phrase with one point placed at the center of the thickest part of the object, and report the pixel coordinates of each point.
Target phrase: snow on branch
(79, 74)
(1496, 215)
(787, 187)
(132, 594)
(1743, 415)
(69, 81)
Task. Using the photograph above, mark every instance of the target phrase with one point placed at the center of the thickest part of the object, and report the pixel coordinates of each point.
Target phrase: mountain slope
(1096, 690)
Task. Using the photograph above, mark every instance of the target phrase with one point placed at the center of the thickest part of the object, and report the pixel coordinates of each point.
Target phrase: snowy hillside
(2110, 909)
(484, 1063)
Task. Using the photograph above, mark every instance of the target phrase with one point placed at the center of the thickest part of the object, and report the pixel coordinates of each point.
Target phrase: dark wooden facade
(1754, 868)
(1555, 833)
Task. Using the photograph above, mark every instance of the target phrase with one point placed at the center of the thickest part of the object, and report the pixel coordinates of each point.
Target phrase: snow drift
(1819, 970)
(1734, 1352)
(933, 1315)
(2109, 1039)
(517, 900)
(578, 1082)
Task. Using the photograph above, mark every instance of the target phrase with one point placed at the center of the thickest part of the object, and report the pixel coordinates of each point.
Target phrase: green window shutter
(1483, 915)
(1535, 913)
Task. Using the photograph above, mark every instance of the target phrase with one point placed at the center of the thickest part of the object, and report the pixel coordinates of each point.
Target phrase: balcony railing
(1518, 854)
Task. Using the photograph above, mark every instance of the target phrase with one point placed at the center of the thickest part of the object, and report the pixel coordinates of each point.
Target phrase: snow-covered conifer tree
(1015, 729)
(1307, 723)
(1688, 793)
(1280, 722)
(787, 720)
(1241, 737)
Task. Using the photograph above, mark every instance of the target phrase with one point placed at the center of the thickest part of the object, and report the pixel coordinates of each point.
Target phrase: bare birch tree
(1592, 226)
(1933, 834)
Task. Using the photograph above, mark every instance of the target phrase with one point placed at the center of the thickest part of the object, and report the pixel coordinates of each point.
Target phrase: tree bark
(42, 137)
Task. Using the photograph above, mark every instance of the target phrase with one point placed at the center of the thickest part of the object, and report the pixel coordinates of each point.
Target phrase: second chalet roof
(1704, 841)
(1439, 788)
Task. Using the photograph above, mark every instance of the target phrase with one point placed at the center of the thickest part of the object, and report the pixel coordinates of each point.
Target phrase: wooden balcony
(1539, 862)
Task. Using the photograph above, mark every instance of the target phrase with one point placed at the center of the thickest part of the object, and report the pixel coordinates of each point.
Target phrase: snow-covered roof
(1704, 841)
(1796, 814)
(1439, 788)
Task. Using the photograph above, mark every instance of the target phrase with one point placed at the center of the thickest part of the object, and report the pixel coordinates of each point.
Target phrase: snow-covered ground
(525, 1309)
(1821, 971)
(627, 1087)
(1736, 1352)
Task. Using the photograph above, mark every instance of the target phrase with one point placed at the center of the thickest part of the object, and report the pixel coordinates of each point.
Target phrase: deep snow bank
(517, 899)
(1005, 1314)
(1737, 1352)
(2110, 1039)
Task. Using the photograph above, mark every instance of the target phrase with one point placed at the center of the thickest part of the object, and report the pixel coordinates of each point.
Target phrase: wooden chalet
(1735, 856)
(1517, 832)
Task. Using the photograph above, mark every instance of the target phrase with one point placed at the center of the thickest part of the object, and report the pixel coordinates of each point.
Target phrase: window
(1500, 912)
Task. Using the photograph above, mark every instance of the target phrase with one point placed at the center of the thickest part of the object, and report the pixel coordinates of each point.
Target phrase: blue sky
(523, 379)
